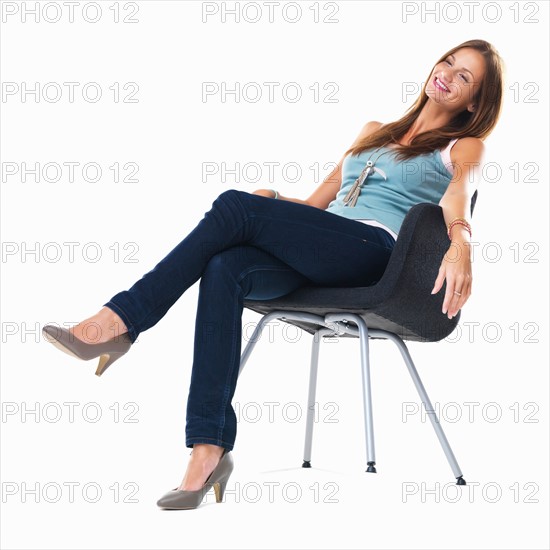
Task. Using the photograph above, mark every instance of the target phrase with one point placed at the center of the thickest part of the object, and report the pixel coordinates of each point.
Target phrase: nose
(446, 75)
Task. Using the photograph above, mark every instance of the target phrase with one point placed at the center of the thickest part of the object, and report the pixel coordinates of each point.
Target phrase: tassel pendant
(353, 194)
(354, 197)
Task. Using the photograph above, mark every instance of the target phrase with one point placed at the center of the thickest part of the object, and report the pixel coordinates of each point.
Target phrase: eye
(461, 75)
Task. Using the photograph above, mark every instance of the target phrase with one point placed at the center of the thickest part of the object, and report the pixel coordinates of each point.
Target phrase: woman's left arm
(456, 266)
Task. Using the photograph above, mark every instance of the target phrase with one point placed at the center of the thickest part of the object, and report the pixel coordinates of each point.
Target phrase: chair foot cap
(306, 464)
(370, 467)
(460, 481)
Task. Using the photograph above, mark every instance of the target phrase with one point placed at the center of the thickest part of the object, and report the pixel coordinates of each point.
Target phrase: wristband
(276, 193)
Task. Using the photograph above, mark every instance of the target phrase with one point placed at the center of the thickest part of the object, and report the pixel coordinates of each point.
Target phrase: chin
(436, 96)
(433, 95)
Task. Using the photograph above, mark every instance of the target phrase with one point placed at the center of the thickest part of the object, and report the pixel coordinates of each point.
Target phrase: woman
(251, 246)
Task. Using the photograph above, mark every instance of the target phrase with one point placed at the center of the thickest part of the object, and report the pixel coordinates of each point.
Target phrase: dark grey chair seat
(401, 301)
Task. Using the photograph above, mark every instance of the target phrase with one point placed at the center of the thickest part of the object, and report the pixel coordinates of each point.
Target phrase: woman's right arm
(327, 191)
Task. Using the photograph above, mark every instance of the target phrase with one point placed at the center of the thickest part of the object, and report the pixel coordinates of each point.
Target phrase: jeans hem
(190, 441)
(120, 312)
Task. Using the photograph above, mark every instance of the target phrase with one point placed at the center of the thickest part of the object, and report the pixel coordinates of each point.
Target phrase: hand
(456, 267)
(264, 193)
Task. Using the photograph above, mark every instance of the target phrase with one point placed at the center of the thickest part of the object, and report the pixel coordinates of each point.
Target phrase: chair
(398, 307)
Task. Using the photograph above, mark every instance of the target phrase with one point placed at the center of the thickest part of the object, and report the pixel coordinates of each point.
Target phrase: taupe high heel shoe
(108, 352)
(176, 499)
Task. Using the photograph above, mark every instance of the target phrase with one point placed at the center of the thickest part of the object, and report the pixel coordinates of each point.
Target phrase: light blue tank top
(424, 178)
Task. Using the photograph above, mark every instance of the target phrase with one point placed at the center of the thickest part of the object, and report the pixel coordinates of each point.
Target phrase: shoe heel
(107, 360)
(219, 486)
(219, 489)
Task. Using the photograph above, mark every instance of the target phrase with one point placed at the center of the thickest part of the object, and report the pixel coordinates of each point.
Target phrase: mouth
(438, 84)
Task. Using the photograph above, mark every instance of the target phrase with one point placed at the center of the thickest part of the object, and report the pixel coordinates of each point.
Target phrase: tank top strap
(446, 155)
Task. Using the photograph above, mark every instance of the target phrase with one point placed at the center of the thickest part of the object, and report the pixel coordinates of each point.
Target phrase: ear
(472, 108)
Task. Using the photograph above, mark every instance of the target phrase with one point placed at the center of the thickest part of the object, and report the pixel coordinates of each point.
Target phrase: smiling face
(455, 80)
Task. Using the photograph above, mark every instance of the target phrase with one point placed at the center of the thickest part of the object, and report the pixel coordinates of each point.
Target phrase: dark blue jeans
(246, 246)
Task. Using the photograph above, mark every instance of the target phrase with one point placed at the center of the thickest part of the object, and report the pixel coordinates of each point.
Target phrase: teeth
(441, 84)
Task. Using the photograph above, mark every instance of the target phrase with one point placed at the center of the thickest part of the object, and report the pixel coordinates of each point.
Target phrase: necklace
(353, 194)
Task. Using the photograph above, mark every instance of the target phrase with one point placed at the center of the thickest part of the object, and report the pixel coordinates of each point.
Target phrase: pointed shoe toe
(177, 499)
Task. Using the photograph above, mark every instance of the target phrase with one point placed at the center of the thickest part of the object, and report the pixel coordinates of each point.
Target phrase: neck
(431, 117)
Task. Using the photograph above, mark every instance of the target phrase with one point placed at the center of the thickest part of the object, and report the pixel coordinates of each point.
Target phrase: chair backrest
(473, 203)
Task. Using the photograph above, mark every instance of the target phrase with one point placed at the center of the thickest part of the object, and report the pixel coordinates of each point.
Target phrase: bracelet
(276, 194)
(459, 221)
(466, 225)
(456, 219)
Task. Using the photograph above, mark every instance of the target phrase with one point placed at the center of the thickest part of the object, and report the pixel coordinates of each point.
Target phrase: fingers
(439, 281)
(263, 193)
(457, 292)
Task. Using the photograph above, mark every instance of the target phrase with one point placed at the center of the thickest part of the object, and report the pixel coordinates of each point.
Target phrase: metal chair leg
(311, 393)
(255, 336)
(427, 404)
(367, 398)
(362, 331)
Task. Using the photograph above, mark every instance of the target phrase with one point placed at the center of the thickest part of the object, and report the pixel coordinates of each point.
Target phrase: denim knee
(216, 263)
(233, 202)
(229, 262)
(231, 194)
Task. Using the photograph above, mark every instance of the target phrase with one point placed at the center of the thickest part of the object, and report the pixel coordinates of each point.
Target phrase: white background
(370, 51)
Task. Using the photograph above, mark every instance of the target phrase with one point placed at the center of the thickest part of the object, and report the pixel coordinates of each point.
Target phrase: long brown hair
(478, 124)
